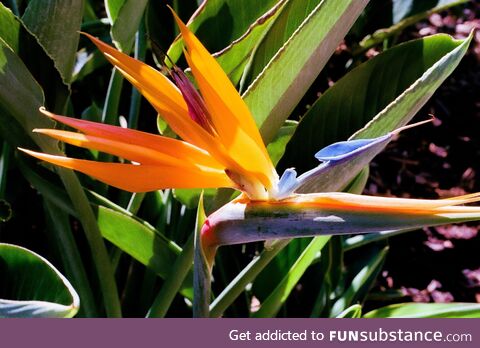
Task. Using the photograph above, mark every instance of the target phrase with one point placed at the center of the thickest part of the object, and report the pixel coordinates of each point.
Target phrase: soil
(440, 264)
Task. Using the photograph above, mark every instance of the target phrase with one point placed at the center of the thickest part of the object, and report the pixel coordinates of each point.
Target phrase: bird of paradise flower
(221, 147)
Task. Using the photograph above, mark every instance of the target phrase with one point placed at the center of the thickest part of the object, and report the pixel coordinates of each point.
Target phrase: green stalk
(136, 97)
(112, 100)
(110, 109)
(100, 256)
(4, 163)
(246, 276)
(172, 284)
(71, 258)
(203, 257)
(135, 202)
(115, 256)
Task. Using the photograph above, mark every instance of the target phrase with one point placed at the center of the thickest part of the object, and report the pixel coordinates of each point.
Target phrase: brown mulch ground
(439, 264)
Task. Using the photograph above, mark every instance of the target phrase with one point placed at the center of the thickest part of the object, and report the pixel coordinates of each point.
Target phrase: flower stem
(135, 202)
(71, 258)
(136, 97)
(203, 255)
(246, 276)
(112, 101)
(110, 109)
(172, 284)
(100, 257)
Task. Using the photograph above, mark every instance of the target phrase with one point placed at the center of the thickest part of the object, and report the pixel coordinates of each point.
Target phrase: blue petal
(344, 149)
(287, 183)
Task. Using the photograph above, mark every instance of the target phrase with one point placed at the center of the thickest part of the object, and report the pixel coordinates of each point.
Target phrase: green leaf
(113, 8)
(427, 310)
(333, 270)
(41, 66)
(21, 86)
(89, 13)
(354, 311)
(361, 282)
(367, 97)
(357, 185)
(279, 295)
(190, 197)
(132, 235)
(277, 146)
(32, 287)
(9, 28)
(290, 17)
(173, 283)
(125, 17)
(305, 53)
(217, 23)
(234, 58)
(141, 241)
(56, 24)
(278, 267)
(62, 236)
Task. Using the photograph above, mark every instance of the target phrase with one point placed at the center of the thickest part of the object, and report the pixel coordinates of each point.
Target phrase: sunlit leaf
(354, 311)
(32, 287)
(427, 310)
(217, 23)
(56, 24)
(305, 53)
(125, 17)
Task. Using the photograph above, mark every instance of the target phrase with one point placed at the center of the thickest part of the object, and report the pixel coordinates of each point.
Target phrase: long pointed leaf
(32, 287)
(305, 53)
(56, 24)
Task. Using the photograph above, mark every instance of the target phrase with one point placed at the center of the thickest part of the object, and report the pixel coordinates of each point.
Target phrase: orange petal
(129, 151)
(139, 178)
(346, 201)
(158, 90)
(168, 146)
(230, 115)
(167, 100)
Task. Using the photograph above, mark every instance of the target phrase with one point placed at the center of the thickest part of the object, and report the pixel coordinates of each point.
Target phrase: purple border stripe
(214, 333)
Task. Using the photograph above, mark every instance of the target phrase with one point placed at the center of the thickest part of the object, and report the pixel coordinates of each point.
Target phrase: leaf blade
(50, 295)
